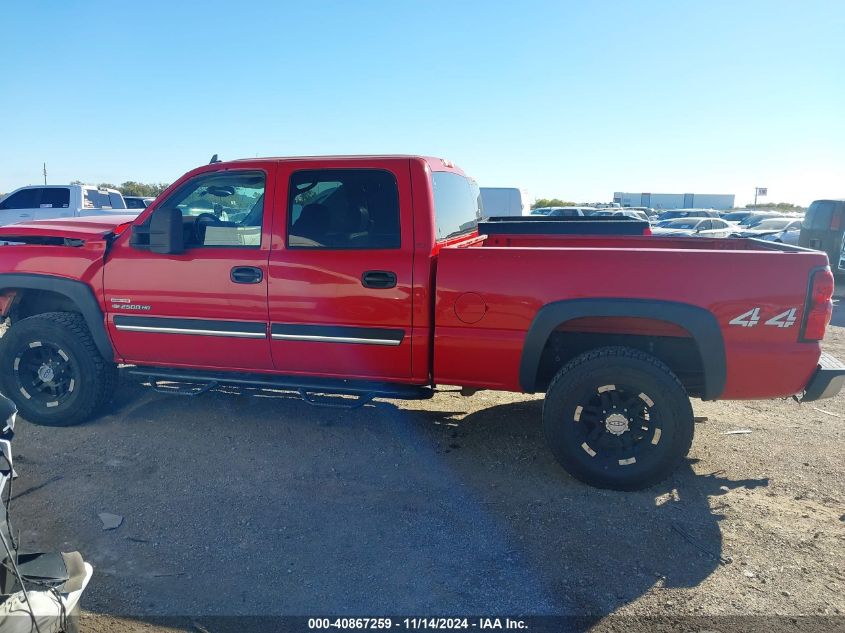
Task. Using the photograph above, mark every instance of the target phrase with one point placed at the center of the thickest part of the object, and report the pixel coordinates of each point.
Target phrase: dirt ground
(242, 503)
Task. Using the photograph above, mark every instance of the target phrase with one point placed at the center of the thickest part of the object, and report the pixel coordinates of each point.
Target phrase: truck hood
(85, 228)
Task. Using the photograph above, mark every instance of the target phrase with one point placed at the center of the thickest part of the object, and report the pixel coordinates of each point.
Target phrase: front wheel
(618, 418)
(51, 368)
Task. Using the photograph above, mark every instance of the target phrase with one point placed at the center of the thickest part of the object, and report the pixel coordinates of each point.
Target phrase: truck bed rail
(574, 225)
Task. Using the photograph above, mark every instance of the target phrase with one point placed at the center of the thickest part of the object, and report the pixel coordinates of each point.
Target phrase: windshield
(773, 223)
(135, 203)
(636, 215)
(670, 215)
(457, 204)
(735, 216)
(227, 196)
(754, 221)
(680, 224)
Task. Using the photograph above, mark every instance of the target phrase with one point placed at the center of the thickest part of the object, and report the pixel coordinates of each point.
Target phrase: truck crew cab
(372, 276)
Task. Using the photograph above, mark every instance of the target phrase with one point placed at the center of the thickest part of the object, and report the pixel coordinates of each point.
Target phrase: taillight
(819, 305)
(836, 220)
(647, 231)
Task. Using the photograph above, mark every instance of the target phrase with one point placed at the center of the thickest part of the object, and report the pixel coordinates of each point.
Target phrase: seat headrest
(314, 215)
(349, 219)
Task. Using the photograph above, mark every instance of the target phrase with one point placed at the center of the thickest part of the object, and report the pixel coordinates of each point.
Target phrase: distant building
(675, 200)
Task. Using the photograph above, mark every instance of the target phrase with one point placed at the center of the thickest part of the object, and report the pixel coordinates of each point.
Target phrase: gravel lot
(256, 503)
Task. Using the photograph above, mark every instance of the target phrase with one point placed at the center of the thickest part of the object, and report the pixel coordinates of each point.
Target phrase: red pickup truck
(372, 276)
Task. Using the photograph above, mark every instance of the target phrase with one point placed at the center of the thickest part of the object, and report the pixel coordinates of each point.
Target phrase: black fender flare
(77, 291)
(699, 322)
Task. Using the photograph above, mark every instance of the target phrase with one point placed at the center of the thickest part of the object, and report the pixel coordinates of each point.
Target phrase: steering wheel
(203, 221)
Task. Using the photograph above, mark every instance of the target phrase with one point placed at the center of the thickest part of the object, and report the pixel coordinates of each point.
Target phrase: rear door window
(343, 209)
(54, 198)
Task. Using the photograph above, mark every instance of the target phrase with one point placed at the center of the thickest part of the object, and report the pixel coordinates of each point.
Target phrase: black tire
(618, 418)
(52, 370)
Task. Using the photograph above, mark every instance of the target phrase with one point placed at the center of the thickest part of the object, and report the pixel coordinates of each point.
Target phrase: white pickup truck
(43, 202)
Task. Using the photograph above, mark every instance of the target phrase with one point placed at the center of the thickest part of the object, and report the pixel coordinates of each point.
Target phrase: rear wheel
(52, 370)
(618, 418)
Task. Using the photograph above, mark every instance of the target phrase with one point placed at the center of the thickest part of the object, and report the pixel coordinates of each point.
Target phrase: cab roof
(434, 163)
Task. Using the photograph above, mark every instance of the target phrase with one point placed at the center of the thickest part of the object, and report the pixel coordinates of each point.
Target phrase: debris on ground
(736, 432)
(835, 415)
(110, 521)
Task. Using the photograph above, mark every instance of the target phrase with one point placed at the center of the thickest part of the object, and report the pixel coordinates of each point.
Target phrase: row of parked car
(774, 227)
(822, 227)
(697, 222)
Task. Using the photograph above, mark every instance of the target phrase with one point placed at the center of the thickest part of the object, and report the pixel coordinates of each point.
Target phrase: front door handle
(381, 279)
(246, 275)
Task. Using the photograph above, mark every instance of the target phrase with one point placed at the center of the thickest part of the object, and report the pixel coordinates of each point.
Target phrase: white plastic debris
(110, 521)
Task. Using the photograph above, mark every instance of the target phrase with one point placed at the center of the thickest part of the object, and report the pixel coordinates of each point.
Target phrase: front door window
(221, 209)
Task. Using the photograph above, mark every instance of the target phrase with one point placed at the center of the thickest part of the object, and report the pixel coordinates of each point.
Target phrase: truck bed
(490, 289)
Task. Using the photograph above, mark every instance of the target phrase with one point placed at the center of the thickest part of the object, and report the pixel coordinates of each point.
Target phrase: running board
(305, 387)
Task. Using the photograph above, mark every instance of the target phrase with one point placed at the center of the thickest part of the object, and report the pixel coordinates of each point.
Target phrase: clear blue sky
(567, 99)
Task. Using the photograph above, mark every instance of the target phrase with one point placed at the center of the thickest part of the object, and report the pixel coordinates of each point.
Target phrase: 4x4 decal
(784, 319)
(752, 318)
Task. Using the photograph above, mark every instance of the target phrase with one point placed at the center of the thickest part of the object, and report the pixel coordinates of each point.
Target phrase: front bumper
(827, 381)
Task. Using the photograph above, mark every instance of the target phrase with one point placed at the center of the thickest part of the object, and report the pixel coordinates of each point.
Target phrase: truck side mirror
(162, 233)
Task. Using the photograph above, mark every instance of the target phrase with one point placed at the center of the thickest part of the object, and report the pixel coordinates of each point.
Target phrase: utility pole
(45, 173)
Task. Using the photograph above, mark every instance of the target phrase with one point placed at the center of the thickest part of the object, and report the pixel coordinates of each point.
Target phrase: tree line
(552, 202)
(780, 206)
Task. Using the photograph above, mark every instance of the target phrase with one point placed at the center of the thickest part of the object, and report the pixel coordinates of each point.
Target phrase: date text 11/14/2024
(416, 623)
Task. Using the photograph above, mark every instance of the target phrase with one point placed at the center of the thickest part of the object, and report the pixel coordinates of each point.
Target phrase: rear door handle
(246, 275)
(381, 279)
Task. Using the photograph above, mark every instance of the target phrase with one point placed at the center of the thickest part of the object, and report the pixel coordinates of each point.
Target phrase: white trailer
(499, 201)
